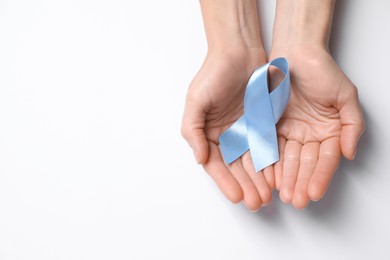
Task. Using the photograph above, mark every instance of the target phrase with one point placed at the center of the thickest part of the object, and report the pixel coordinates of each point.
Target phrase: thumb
(352, 121)
(192, 130)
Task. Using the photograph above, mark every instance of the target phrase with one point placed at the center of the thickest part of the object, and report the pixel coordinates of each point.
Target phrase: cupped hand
(214, 102)
(322, 121)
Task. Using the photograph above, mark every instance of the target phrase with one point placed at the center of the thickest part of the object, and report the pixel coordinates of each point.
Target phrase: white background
(92, 165)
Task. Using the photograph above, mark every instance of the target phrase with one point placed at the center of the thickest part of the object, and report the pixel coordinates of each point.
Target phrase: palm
(311, 115)
(224, 99)
(218, 89)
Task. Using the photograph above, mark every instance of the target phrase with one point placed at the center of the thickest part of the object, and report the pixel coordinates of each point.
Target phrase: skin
(323, 118)
(215, 98)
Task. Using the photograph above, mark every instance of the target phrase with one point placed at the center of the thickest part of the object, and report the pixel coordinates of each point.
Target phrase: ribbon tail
(234, 143)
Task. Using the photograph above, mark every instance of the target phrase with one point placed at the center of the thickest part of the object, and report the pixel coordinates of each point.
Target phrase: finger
(290, 170)
(193, 130)
(308, 162)
(217, 169)
(257, 178)
(278, 166)
(352, 120)
(252, 198)
(328, 160)
(269, 175)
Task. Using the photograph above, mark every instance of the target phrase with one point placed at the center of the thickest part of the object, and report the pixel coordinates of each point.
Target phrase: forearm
(302, 24)
(231, 24)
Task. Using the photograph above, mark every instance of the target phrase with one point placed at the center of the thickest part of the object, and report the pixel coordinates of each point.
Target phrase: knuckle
(330, 155)
(308, 159)
(362, 126)
(184, 131)
(291, 158)
(354, 91)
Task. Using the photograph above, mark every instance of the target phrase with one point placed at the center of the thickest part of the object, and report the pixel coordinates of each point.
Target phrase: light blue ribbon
(255, 130)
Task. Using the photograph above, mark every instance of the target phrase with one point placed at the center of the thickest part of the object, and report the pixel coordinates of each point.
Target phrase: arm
(215, 97)
(323, 119)
(302, 23)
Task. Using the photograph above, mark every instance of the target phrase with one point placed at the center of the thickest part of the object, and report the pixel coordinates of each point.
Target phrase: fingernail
(354, 154)
(265, 204)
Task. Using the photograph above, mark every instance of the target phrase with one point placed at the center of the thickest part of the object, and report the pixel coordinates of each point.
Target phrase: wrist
(244, 59)
(231, 24)
(304, 60)
(236, 43)
(301, 24)
(295, 51)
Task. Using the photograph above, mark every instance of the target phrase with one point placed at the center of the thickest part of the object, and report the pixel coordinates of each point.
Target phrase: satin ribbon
(255, 130)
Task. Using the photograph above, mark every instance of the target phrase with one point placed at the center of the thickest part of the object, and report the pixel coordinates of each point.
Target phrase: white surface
(92, 165)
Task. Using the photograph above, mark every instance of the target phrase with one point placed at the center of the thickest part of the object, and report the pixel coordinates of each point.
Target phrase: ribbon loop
(255, 130)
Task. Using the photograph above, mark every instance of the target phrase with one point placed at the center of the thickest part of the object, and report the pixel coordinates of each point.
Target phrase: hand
(214, 102)
(323, 119)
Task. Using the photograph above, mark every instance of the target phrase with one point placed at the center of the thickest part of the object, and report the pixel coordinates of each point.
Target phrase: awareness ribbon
(255, 130)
